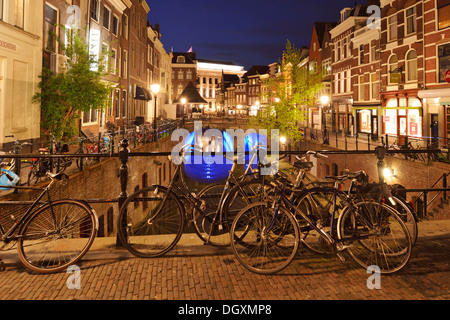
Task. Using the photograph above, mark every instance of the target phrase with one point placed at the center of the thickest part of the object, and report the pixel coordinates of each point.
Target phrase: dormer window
(181, 59)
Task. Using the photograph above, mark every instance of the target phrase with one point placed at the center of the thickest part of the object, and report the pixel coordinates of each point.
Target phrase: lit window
(392, 27)
(393, 69)
(411, 66)
(443, 7)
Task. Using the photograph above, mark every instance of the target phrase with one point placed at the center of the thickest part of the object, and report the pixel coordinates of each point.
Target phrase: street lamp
(183, 101)
(155, 90)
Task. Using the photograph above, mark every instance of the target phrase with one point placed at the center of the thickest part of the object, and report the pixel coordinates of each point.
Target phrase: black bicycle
(151, 221)
(51, 235)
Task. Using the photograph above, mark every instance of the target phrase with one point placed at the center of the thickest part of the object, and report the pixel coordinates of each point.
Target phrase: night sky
(245, 32)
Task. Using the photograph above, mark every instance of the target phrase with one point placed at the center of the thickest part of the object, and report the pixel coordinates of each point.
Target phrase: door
(434, 125)
(402, 127)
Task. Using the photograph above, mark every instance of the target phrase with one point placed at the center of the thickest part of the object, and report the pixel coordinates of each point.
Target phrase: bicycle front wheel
(57, 236)
(262, 242)
(151, 222)
(375, 235)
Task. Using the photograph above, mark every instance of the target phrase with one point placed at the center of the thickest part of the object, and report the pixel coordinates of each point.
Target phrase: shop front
(437, 104)
(366, 120)
(402, 117)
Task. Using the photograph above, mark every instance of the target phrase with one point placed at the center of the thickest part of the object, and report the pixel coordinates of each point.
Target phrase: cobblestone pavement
(205, 273)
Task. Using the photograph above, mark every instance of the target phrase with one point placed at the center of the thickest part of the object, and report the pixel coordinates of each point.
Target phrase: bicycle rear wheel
(211, 225)
(264, 243)
(57, 236)
(375, 236)
(151, 222)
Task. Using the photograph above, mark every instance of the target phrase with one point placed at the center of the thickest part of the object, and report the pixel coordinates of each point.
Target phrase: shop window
(411, 66)
(444, 60)
(443, 7)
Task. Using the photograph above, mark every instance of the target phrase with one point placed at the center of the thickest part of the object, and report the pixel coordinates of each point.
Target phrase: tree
(77, 88)
(285, 96)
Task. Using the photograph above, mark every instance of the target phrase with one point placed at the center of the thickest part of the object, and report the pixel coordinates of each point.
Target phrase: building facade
(21, 38)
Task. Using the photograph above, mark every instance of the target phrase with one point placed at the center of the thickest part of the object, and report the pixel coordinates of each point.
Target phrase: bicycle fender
(93, 211)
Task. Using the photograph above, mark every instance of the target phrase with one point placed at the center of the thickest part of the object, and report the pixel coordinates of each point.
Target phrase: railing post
(356, 141)
(380, 152)
(123, 156)
(82, 152)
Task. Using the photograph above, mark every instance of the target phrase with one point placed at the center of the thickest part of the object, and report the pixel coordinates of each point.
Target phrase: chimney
(157, 28)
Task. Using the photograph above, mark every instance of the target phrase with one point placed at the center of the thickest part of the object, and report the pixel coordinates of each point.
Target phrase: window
(392, 27)
(393, 70)
(90, 116)
(125, 64)
(180, 75)
(189, 75)
(115, 26)
(443, 7)
(361, 54)
(51, 21)
(19, 12)
(373, 51)
(444, 60)
(125, 26)
(181, 59)
(374, 86)
(124, 103)
(113, 61)
(361, 88)
(411, 66)
(411, 24)
(106, 17)
(95, 10)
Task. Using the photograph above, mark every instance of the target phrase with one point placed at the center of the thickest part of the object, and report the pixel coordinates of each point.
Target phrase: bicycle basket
(5, 180)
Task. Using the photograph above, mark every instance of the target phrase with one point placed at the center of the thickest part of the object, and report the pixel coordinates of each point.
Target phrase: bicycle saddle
(303, 164)
(57, 176)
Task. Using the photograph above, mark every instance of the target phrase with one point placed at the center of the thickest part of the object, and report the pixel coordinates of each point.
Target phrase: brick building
(436, 92)
(342, 62)
(402, 65)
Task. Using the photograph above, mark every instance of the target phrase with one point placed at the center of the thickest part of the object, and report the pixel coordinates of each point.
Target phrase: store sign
(94, 49)
(395, 77)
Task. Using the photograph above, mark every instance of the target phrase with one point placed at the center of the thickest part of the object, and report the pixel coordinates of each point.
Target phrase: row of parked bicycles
(39, 166)
(266, 220)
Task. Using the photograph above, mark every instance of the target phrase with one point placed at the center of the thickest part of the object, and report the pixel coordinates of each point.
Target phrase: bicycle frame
(9, 235)
(337, 194)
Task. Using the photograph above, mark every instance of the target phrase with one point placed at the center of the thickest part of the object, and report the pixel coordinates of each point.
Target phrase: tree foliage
(285, 96)
(76, 88)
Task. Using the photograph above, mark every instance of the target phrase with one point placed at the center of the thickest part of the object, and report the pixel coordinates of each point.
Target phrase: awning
(142, 94)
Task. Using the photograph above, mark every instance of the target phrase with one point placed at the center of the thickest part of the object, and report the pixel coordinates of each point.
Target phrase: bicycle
(51, 235)
(265, 236)
(151, 221)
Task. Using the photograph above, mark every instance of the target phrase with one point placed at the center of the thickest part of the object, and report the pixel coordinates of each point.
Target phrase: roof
(256, 70)
(322, 28)
(190, 57)
(216, 62)
(191, 94)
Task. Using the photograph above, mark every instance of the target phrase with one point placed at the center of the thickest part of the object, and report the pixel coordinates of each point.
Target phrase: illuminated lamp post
(155, 90)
